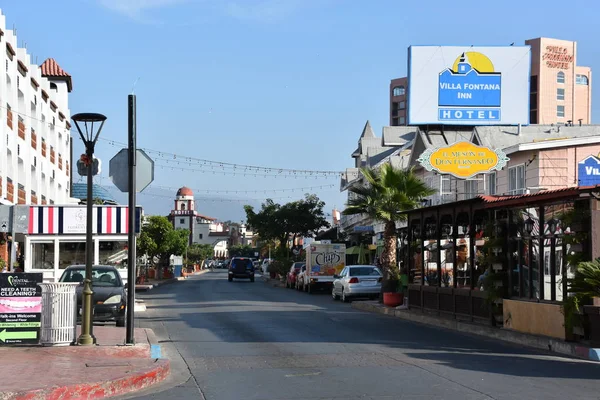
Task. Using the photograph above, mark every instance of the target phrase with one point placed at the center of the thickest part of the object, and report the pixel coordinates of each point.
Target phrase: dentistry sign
(468, 85)
(20, 308)
(463, 160)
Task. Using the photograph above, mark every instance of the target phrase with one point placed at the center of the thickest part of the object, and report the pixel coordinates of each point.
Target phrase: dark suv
(241, 267)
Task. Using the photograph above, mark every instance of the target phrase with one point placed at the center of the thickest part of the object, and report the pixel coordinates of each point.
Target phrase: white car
(357, 281)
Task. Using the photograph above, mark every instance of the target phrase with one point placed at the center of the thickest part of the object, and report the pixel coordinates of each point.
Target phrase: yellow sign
(463, 160)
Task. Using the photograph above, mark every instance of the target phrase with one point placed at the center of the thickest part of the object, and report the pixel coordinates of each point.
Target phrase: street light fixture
(89, 138)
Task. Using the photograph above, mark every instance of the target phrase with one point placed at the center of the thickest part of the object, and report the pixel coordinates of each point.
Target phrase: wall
(583, 97)
(558, 167)
(534, 318)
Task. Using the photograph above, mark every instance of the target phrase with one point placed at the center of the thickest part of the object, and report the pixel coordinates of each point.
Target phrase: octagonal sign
(118, 170)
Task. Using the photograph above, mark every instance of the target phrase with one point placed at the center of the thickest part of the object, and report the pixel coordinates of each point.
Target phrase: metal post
(131, 223)
(86, 337)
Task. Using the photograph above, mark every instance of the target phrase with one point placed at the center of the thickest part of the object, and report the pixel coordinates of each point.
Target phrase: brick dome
(185, 191)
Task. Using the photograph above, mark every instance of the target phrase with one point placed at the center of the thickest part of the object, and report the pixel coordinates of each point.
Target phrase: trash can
(59, 314)
(177, 271)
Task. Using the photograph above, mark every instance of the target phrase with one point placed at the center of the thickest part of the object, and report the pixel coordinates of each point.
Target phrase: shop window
(399, 91)
(491, 183)
(42, 255)
(113, 252)
(516, 180)
(71, 253)
(560, 111)
(560, 94)
(560, 77)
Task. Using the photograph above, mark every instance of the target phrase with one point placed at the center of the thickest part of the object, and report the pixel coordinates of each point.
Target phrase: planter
(392, 299)
(593, 314)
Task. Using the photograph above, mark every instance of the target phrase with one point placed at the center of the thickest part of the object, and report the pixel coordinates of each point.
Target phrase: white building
(35, 139)
(203, 229)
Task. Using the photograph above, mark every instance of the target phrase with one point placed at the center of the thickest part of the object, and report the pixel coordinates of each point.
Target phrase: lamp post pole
(89, 139)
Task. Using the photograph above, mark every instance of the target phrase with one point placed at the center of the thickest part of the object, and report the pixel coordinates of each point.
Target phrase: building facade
(560, 90)
(34, 127)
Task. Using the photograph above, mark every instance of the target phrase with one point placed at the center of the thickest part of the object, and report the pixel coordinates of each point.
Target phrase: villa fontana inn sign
(463, 160)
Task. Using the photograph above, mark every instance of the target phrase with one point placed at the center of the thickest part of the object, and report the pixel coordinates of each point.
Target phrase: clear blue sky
(282, 83)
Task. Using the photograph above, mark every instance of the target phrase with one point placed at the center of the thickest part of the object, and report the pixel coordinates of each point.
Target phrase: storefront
(55, 238)
(502, 260)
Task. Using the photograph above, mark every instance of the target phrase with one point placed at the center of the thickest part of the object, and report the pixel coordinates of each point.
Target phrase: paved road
(252, 341)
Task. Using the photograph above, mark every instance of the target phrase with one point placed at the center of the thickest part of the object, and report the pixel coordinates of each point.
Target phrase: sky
(273, 83)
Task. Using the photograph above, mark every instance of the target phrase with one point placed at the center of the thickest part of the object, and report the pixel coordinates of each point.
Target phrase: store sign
(557, 57)
(463, 160)
(589, 171)
(457, 85)
(20, 308)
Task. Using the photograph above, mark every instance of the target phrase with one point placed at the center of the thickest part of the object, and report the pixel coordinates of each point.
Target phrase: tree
(197, 253)
(385, 196)
(240, 250)
(159, 240)
(278, 222)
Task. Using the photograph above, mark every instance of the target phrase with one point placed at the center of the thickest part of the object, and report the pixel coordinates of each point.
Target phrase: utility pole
(131, 264)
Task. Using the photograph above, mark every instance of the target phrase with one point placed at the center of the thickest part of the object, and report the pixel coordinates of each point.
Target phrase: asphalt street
(252, 341)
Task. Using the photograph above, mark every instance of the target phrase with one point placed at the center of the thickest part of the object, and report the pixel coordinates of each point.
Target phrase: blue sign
(589, 171)
(363, 229)
(466, 93)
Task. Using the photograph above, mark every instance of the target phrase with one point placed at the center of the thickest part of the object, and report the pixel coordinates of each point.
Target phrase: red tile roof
(51, 68)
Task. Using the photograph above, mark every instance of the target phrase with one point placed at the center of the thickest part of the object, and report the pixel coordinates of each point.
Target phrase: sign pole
(131, 267)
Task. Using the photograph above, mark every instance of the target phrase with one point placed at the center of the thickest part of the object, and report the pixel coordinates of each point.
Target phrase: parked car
(357, 281)
(110, 295)
(299, 281)
(290, 281)
(241, 267)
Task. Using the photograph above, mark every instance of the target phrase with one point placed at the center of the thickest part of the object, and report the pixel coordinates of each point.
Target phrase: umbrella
(362, 259)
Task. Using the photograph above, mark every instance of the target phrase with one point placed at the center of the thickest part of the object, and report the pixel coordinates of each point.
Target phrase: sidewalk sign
(20, 308)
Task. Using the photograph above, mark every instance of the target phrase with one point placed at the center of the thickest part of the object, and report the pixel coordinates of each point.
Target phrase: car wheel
(345, 299)
(121, 322)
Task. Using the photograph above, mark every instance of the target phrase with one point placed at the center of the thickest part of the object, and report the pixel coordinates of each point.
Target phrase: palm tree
(385, 196)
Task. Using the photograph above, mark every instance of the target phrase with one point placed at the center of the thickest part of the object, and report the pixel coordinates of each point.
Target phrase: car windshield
(100, 277)
(298, 265)
(241, 263)
(364, 271)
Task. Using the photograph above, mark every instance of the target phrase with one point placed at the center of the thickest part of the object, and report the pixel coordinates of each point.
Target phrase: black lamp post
(529, 224)
(89, 138)
(553, 225)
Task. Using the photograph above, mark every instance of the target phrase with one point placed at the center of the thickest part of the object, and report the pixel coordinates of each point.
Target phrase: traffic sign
(119, 175)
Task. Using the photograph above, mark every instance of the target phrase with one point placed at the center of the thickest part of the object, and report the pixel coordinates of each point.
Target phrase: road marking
(307, 374)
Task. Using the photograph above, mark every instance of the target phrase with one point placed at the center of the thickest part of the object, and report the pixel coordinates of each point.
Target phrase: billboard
(454, 85)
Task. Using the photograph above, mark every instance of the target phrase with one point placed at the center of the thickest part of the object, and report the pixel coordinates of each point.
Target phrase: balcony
(44, 202)
(43, 148)
(34, 199)
(60, 162)
(9, 118)
(52, 155)
(21, 126)
(10, 190)
(33, 139)
(21, 195)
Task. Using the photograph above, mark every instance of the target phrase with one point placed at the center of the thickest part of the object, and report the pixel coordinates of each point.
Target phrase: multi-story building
(35, 139)
(560, 90)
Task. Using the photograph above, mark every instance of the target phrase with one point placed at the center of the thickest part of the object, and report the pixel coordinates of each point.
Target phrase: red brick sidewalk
(77, 372)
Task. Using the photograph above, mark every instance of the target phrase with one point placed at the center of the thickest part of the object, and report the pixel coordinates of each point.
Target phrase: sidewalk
(153, 283)
(507, 335)
(78, 372)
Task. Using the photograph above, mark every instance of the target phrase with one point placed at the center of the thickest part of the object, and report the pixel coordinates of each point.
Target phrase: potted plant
(394, 296)
(585, 287)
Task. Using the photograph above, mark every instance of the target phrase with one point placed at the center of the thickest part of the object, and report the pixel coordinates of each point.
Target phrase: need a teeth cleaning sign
(20, 308)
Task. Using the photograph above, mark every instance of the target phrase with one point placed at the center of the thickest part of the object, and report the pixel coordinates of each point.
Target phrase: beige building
(561, 91)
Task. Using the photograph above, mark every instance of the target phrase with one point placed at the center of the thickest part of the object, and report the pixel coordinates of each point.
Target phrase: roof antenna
(133, 87)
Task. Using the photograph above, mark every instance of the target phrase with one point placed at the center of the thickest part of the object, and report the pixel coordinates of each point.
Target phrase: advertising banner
(467, 85)
(589, 171)
(20, 308)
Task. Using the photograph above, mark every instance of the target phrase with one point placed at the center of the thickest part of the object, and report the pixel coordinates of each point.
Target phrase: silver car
(357, 281)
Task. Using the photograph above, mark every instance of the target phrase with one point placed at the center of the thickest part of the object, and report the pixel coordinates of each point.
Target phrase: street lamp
(89, 139)
(529, 224)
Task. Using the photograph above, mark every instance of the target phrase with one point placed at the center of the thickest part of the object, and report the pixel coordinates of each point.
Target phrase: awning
(354, 250)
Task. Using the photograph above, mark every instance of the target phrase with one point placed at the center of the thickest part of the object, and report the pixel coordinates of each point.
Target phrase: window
(445, 185)
(113, 252)
(491, 183)
(53, 86)
(470, 189)
(42, 255)
(560, 77)
(364, 271)
(100, 277)
(560, 111)
(71, 253)
(182, 207)
(399, 91)
(516, 180)
(200, 236)
(560, 94)
(402, 105)
(581, 80)
(402, 120)
(181, 221)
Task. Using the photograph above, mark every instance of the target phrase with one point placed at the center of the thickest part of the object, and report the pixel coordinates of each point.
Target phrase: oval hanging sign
(463, 160)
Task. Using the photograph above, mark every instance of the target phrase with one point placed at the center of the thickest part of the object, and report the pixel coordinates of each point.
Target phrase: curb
(538, 342)
(139, 380)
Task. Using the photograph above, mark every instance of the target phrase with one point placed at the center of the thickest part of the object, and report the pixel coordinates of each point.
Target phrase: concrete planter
(593, 314)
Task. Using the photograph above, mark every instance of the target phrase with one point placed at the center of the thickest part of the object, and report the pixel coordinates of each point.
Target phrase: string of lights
(244, 191)
(172, 161)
